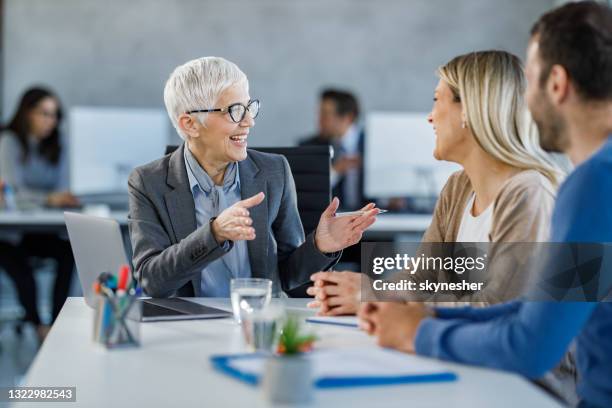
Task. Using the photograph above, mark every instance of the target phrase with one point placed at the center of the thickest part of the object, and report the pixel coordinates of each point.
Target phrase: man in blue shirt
(569, 92)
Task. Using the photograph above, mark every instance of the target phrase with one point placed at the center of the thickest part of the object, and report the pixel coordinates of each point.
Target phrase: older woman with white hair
(214, 210)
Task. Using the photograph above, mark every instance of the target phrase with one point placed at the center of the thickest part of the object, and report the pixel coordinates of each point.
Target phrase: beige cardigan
(521, 214)
(521, 210)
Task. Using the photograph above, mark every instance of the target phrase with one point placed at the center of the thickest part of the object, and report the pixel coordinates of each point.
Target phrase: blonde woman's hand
(335, 293)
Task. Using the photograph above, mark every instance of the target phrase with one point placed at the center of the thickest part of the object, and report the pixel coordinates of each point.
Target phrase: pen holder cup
(117, 321)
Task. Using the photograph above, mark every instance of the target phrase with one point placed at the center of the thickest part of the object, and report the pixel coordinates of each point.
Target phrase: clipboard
(365, 367)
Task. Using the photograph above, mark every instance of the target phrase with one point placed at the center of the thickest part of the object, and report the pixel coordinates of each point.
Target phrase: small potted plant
(288, 374)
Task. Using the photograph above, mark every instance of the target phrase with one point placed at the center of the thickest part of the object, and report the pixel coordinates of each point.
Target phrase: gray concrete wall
(119, 53)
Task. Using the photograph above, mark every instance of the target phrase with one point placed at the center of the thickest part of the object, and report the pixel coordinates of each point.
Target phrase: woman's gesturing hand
(336, 233)
(235, 223)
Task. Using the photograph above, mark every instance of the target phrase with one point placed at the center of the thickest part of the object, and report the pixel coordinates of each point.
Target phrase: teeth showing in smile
(240, 139)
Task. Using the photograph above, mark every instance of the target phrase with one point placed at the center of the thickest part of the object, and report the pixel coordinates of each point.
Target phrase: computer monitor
(399, 158)
(107, 143)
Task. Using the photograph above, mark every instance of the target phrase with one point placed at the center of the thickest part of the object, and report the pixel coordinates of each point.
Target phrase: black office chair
(310, 166)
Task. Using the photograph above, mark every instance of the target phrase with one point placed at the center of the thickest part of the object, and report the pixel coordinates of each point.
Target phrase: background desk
(388, 227)
(401, 223)
(49, 218)
(398, 227)
(172, 369)
(44, 220)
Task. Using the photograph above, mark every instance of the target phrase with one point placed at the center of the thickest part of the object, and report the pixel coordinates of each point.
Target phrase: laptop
(97, 246)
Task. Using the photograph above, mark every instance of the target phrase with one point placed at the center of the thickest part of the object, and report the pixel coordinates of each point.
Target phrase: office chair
(310, 166)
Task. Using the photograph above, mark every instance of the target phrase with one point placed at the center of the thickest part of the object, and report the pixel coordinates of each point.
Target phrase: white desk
(45, 218)
(172, 369)
(385, 223)
(400, 223)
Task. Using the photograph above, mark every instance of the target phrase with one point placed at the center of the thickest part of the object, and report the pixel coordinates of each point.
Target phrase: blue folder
(223, 364)
(337, 321)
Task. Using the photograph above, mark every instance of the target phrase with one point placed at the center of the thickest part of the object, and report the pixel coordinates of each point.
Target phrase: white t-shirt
(475, 229)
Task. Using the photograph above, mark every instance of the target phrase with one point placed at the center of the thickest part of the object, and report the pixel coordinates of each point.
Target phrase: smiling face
(221, 139)
(446, 118)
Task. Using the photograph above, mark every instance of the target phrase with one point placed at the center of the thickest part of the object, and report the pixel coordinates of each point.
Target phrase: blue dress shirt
(210, 200)
(531, 337)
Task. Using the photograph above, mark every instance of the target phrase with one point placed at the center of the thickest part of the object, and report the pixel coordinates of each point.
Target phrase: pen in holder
(118, 311)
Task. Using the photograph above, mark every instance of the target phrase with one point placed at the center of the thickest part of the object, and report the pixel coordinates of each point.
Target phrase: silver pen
(358, 213)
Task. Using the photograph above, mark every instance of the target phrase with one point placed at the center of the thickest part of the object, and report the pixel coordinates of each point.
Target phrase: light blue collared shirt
(210, 200)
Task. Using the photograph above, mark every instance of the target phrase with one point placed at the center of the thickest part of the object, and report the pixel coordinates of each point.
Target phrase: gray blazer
(170, 252)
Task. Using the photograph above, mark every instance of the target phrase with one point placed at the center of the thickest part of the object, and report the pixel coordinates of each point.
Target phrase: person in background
(569, 93)
(33, 163)
(338, 116)
(32, 159)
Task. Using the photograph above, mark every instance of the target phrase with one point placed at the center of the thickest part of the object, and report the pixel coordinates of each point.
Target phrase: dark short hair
(578, 36)
(346, 102)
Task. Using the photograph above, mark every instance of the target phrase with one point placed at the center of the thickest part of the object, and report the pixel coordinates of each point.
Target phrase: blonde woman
(506, 190)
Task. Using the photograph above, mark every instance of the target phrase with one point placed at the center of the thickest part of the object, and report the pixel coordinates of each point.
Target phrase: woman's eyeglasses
(237, 111)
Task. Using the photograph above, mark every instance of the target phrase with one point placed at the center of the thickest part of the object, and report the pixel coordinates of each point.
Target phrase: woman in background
(33, 164)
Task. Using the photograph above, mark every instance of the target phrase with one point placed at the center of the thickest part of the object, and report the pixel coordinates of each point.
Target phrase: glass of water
(249, 294)
(261, 328)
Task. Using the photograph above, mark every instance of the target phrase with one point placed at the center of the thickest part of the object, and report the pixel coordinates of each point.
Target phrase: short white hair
(197, 84)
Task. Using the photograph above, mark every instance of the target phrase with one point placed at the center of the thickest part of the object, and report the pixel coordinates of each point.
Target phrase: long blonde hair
(490, 85)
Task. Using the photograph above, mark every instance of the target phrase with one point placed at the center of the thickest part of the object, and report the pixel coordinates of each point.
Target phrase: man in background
(338, 116)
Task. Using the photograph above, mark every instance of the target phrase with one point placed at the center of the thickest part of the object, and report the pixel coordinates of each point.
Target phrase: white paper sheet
(355, 362)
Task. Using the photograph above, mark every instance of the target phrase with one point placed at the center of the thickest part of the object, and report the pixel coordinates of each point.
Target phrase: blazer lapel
(179, 202)
(251, 184)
